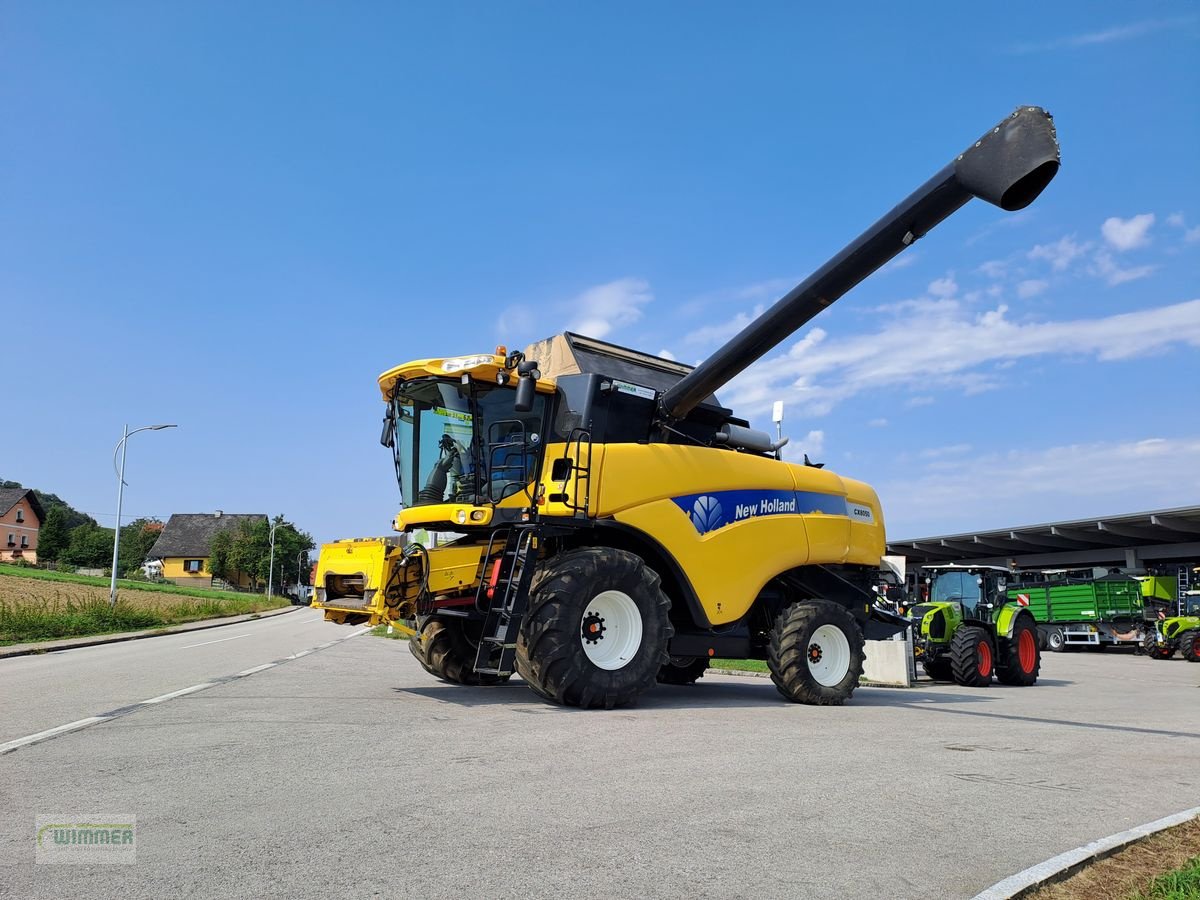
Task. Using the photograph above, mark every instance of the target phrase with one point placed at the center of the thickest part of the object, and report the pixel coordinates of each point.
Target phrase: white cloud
(515, 323)
(1061, 253)
(1105, 36)
(944, 287)
(920, 400)
(666, 354)
(602, 309)
(1192, 235)
(1020, 487)
(723, 331)
(1031, 288)
(903, 261)
(1107, 269)
(813, 443)
(1126, 234)
(957, 349)
(950, 450)
(994, 268)
(878, 423)
(1175, 220)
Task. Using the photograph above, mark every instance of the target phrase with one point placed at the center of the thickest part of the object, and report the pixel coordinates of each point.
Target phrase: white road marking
(49, 733)
(95, 720)
(261, 668)
(179, 693)
(217, 641)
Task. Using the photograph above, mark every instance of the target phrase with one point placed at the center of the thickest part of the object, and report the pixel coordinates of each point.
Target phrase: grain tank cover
(574, 354)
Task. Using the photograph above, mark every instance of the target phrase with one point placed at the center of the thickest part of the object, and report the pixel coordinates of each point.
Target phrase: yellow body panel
(640, 485)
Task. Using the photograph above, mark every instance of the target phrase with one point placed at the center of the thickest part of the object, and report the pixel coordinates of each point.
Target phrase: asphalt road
(51, 689)
(349, 772)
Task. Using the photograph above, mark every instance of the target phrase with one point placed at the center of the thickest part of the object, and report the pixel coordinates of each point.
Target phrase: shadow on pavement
(1069, 723)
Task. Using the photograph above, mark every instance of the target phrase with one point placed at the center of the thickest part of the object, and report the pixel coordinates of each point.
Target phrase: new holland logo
(706, 513)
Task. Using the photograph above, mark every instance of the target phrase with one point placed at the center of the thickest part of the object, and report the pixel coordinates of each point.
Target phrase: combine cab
(618, 525)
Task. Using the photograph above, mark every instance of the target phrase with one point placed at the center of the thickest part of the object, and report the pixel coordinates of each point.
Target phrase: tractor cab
(979, 591)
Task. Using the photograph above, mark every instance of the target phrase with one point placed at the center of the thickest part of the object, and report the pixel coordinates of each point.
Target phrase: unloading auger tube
(1008, 167)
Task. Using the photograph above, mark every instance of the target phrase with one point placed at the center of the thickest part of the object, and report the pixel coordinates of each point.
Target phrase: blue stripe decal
(716, 509)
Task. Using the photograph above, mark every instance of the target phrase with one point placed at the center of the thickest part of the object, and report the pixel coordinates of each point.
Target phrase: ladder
(503, 593)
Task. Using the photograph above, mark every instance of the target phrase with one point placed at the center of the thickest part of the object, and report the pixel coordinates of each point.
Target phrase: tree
(91, 546)
(218, 554)
(247, 550)
(54, 536)
(137, 538)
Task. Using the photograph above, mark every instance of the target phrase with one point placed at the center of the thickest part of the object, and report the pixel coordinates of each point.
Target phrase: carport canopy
(1131, 541)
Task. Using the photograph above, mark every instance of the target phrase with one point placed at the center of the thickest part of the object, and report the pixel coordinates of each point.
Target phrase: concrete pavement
(350, 772)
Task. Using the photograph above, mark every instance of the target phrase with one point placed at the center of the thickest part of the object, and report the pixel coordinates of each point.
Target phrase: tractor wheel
(1055, 641)
(816, 653)
(445, 651)
(971, 656)
(683, 670)
(1189, 646)
(596, 631)
(938, 668)
(1019, 658)
(1152, 650)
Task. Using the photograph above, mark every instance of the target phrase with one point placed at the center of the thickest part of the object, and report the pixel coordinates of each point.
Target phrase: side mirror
(388, 437)
(527, 375)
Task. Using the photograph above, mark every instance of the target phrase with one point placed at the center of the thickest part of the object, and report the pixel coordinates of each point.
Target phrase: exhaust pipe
(1008, 167)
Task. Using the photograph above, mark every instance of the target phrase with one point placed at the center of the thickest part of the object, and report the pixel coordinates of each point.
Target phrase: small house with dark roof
(21, 518)
(185, 545)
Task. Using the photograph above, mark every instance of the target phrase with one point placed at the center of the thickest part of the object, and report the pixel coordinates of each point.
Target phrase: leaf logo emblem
(706, 514)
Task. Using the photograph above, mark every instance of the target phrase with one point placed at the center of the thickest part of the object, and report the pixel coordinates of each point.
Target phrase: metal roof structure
(1132, 541)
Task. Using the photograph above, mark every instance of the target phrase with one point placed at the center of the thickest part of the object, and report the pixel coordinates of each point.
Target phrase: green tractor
(1180, 633)
(968, 630)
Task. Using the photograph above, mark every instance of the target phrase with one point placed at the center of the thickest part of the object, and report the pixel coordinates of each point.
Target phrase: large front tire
(816, 653)
(972, 657)
(1189, 646)
(1019, 659)
(938, 668)
(445, 651)
(1153, 650)
(596, 631)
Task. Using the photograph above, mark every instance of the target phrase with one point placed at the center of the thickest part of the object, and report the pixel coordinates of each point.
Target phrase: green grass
(1181, 884)
(740, 665)
(122, 583)
(43, 606)
(382, 631)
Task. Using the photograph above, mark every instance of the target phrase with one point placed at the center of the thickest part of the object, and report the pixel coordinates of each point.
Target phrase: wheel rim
(1026, 651)
(611, 630)
(1056, 639)
(828, 655)
(985, 658)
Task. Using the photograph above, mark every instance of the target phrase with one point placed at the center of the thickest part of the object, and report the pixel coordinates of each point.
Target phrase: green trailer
(1099, 613)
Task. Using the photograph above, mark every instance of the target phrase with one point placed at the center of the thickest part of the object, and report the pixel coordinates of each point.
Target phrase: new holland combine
(615, 524)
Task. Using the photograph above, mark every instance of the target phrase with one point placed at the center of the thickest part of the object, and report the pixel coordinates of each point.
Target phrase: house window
(12, 540)
(20, 515)
(192, 566)
(24, 541)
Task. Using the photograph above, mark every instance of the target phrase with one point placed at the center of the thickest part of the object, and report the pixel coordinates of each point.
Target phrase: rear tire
(938, 669)
(1189, 646)
(1152, 650)
(816, 653)
(1019, 659)
(596, 631)
(972, 656)
(683, 670)
(445, 651)
(1055, 641)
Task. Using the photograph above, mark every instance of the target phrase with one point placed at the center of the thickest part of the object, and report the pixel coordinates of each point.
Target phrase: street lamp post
(299, 560)
(112, 590)
(271, 572)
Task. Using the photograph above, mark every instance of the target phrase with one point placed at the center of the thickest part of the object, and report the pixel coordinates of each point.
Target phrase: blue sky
(233, 216)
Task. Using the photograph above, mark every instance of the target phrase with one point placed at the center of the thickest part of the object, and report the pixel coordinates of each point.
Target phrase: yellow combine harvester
(614, 524)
